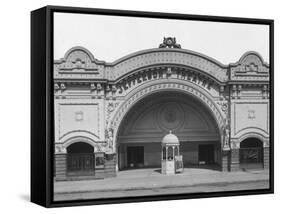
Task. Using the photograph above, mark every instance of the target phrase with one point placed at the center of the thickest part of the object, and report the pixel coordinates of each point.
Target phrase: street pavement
(151, 182)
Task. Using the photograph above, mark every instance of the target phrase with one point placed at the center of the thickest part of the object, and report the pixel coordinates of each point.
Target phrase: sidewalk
(142, 179)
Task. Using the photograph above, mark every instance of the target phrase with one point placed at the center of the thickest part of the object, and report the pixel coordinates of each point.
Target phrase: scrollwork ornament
(110, 107)
(109, 138)
(234, 144)
(224, 106)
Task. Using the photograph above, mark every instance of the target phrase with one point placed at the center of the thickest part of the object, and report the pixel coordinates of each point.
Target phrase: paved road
(158, 191)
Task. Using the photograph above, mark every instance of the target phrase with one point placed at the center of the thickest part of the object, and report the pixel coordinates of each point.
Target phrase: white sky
(112, 37)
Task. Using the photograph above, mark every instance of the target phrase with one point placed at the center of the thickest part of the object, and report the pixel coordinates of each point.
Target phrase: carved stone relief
(226, 135)
(111, 106)
(266, 143)
(79, 116)
(224, 106)
(251, 114)
(234, 144)
(60, 149)
(101, 147)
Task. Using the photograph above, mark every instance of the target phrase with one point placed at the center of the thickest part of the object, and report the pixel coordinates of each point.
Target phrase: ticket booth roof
(170, 139)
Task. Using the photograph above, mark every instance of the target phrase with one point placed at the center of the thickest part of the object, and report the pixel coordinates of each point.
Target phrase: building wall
(249, 110)
(92, 97)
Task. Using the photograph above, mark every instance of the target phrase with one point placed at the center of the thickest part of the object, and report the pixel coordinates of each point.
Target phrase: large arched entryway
(251, 153)
(80, 159)
(140, 132)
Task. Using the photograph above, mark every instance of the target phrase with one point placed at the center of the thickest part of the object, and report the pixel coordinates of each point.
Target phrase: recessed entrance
(80, 159)
(148, 121)
(135, 156)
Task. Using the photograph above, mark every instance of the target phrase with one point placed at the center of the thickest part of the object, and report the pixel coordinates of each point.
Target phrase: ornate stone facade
(92, 97)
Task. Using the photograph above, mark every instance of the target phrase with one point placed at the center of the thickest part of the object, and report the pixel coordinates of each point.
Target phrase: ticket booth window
(170, 153)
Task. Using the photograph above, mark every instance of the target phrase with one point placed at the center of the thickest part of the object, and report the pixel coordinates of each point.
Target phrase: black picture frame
(42, 104)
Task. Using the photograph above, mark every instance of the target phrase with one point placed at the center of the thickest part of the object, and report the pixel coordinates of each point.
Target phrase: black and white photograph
(149, 106)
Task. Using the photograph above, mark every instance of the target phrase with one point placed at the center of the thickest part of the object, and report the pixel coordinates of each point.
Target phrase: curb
(224, 183)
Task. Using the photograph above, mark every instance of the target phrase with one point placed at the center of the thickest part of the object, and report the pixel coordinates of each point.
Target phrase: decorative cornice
(79, 64)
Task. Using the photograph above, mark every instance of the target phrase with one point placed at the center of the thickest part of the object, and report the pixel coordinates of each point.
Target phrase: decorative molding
(115, 122)
(111, 106)
(98, 146)
(251, 134)
(250, 67)
(79, 131)
(163, 72)
(224, 106)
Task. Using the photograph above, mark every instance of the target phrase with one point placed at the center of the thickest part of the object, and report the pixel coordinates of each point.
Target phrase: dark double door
(135, 156)
(80, 164)
(206, 153)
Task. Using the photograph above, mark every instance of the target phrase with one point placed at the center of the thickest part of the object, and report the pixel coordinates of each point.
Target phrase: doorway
(80, 159)
(135, 156)
(251, 154)
(206, 153)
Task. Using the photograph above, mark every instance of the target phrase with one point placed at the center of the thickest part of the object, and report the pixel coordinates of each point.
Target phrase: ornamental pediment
(77, 61)
(250, 67)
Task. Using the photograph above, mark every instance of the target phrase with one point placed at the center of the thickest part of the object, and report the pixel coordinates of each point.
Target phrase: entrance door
(80, 159)
(251, 154)
(206, 154)
(135, 156)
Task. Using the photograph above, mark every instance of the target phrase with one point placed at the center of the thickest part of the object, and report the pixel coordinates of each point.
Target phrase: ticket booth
(171, 159)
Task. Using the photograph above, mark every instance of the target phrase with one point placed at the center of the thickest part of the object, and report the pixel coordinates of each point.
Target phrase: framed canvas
(131, 106)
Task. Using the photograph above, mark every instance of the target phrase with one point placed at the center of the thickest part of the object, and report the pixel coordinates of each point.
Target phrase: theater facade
(113, 116)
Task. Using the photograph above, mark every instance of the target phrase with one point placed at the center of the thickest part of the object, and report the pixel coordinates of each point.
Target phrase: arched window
(80, 158)
(251, 152)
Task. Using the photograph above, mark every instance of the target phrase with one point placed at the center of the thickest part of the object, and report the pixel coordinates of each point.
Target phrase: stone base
(266, 159)
(234, 159)
(110, 166)
(226, 161)
(60, 167)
